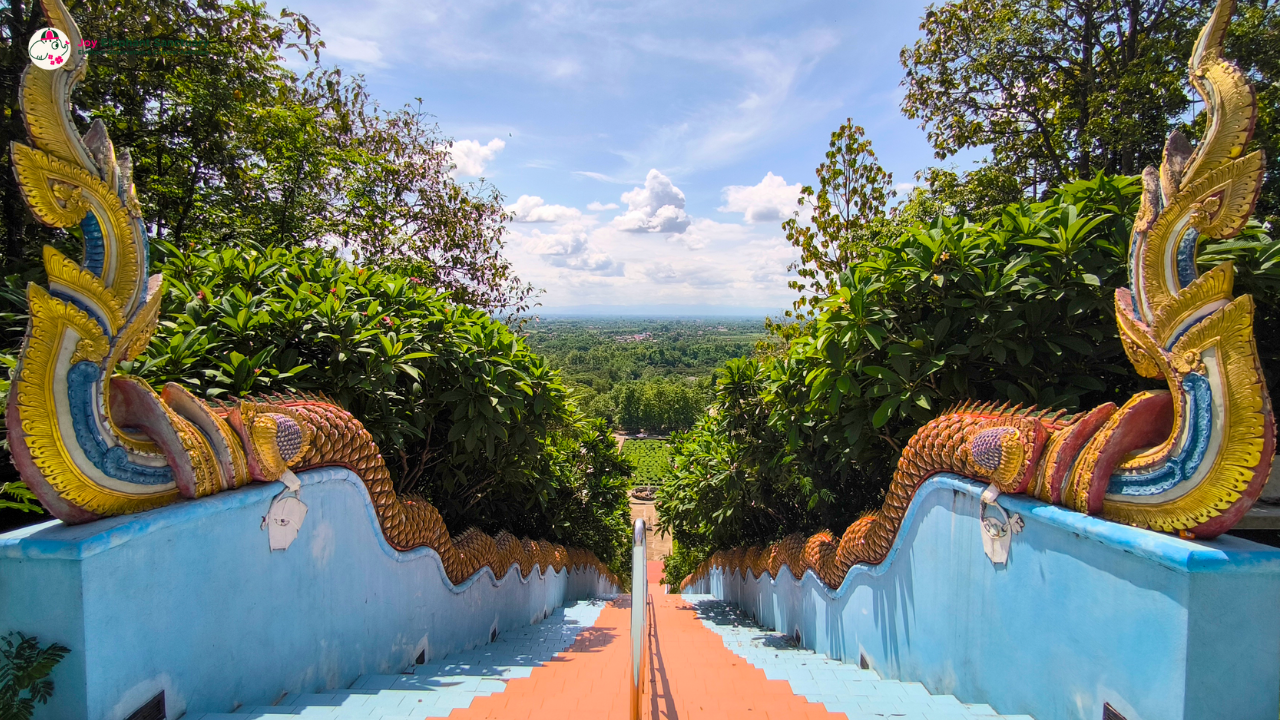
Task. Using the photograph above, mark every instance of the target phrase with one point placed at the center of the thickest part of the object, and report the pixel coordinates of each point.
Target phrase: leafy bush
(24, 674)
(465, 414)
(652, 460)
(681, 563)
(1018, 308)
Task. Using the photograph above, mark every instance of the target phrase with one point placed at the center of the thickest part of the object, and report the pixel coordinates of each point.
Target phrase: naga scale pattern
(91, 443)
(1191, 459)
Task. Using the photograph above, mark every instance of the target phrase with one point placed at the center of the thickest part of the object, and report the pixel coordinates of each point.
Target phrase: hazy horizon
(658, 311)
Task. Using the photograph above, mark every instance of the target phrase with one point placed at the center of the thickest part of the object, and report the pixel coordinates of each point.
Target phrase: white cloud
(601, 177)
(531, 208)
(349, 48)
(695, 273)
(470, 157)
(772, 199)
(904, 187)
(572, 250)
(600, 207)
(658, 207)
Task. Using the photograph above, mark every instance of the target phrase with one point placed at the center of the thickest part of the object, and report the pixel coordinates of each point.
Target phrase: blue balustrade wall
(1086, 612)
(190, 600)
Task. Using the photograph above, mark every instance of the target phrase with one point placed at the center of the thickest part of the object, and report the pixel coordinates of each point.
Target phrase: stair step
(840, 687)
(439, 687)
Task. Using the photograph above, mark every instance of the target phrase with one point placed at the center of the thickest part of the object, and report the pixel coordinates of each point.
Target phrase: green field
(652, 459)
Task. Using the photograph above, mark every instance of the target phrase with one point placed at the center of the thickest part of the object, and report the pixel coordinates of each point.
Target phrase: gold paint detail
(204, 464)
(42, 101)
(137, 334)
(1147, 357)
(1229, 333)
(1078, 484)
(59, 194)
(52, 320)
(1235, 186)
(51, 187)
(1041, 488)
(1232, 107)
(63, 271)
(262, 422)
(1211, 287)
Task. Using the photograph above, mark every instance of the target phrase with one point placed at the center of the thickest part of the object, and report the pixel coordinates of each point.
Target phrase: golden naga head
(1213, 431)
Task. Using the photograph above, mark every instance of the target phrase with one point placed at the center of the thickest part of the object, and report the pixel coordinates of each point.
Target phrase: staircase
(840, 687)
(435, 689)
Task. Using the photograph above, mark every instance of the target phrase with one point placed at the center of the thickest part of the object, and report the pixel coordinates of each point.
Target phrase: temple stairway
(707, 660)
(437, 688)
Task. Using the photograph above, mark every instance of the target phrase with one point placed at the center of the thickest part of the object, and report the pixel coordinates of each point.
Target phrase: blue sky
(650, 150)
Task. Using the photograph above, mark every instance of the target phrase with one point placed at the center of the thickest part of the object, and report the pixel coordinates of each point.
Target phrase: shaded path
(691, 675)
(707, 661)
(839, 687)
(442, 686)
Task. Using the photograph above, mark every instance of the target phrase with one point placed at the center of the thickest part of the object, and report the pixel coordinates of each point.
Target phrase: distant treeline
(653, 375)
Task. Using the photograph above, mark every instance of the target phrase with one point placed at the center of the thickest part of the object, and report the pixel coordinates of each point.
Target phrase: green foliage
(465, 414)
(22, 498)
(589, 506)
(232, 145)
(844, 213)
(657, 404)
(651, 458)
(1253, 43)
(736, 478)
(659, 383)
(24, 674)
(14, 495)
(1056, 90)
(1099, 85)
(681, 563)
(1017, 308)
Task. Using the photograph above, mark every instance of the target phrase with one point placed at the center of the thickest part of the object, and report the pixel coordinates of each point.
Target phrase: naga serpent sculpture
(90, 443)
(1191, 459)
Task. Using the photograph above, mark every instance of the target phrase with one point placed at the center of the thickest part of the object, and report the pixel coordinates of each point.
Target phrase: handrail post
(639, 591)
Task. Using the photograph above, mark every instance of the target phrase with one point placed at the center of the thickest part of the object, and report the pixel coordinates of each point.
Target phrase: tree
(1254, 44)
(844, 214)
(228, 144)
(397, 203)
(1057, 89)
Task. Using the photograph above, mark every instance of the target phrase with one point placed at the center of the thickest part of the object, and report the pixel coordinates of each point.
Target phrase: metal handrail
(639, 592)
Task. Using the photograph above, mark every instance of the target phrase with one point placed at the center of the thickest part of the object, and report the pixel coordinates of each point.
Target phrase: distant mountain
(658, 311)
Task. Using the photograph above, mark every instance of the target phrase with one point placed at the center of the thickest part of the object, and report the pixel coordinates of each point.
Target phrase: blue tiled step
(436, 689)
(840, 687)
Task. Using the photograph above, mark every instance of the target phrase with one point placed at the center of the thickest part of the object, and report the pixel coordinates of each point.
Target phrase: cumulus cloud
(770, 200)
(470, 157)
(658, 207)
(531, 208)
(599, 207)
(572, 250)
